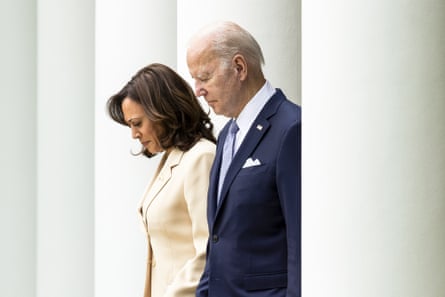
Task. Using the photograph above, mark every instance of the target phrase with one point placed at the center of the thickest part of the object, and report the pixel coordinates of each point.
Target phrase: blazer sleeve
(195, 191)
(289, 189)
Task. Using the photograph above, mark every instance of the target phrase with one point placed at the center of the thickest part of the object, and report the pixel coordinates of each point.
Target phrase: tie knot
(233, 127)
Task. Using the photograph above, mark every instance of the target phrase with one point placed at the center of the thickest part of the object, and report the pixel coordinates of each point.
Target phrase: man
(253, 209)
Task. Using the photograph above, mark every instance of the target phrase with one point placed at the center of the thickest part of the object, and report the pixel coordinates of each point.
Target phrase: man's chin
(214, 108)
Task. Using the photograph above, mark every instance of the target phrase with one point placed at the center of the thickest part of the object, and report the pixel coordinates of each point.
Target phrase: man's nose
(199, 90)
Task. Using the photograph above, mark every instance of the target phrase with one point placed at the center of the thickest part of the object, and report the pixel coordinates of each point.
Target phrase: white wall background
(17, 148)
(374, 148)
(65, 143)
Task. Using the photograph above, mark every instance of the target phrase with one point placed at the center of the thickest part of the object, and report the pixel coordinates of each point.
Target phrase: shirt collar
(254, 107)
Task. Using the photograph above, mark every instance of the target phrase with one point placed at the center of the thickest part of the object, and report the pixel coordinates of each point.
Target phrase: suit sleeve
(195, 192)
(289, 189)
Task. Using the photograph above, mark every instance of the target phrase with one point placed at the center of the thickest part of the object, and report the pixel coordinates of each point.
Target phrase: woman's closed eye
(134, 123)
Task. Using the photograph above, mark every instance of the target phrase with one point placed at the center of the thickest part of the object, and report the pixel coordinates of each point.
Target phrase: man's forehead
(203, 70)
(203, 64)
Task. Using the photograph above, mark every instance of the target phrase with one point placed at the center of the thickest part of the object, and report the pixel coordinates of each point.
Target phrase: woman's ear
(240, 66)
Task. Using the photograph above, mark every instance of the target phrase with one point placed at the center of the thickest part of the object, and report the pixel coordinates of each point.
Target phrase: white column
(373, 148)
(18, 146)
(129, 35)
(275, 25)
(65, 151)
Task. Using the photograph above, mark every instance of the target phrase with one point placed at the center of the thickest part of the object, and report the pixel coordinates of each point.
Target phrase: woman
(165, 116)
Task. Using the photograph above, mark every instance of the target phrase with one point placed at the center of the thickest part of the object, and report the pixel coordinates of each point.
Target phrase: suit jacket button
(215, 238)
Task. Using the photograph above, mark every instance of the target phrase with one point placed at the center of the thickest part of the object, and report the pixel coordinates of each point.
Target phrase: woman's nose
(135, 133)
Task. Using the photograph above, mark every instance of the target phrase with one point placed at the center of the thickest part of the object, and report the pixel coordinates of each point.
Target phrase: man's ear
(240, 66)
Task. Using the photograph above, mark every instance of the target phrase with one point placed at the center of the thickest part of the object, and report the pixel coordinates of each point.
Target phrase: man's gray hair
(229, 39)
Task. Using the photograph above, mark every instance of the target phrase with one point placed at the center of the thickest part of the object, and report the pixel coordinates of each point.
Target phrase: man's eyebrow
(202, 75)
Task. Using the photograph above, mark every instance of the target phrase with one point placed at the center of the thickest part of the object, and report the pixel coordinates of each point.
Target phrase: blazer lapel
(161, 178)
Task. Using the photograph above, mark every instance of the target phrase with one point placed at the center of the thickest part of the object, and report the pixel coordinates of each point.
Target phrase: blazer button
(215, 238)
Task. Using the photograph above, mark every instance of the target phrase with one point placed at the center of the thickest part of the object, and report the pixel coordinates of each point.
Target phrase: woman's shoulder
(202, 147)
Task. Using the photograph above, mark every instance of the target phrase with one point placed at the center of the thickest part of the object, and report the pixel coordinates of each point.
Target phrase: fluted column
(373, 148)
(129, 35)
(65, 148)
(18, 147)
(275, 25)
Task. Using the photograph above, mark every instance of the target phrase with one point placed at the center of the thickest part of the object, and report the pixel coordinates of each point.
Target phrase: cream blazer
(173, 211)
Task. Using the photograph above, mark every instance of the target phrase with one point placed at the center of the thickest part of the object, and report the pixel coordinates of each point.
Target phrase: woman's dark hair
(169, 102)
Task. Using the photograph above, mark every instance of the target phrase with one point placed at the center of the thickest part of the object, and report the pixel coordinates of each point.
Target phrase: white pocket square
(250, 163)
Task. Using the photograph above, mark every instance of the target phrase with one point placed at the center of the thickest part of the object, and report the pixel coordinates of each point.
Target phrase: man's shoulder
(286, 109)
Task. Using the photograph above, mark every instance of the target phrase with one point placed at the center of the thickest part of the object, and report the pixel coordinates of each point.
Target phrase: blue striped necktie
(228, 152)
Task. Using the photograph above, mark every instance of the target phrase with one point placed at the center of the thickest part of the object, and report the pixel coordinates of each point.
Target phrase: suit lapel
(256, 132)
(251, 141)
(214, 174)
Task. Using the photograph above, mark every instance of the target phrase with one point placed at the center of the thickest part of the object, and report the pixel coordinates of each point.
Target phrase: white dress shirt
(251, 111)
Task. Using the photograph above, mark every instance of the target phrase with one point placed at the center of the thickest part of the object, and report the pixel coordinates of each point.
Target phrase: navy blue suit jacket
(254, 232)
